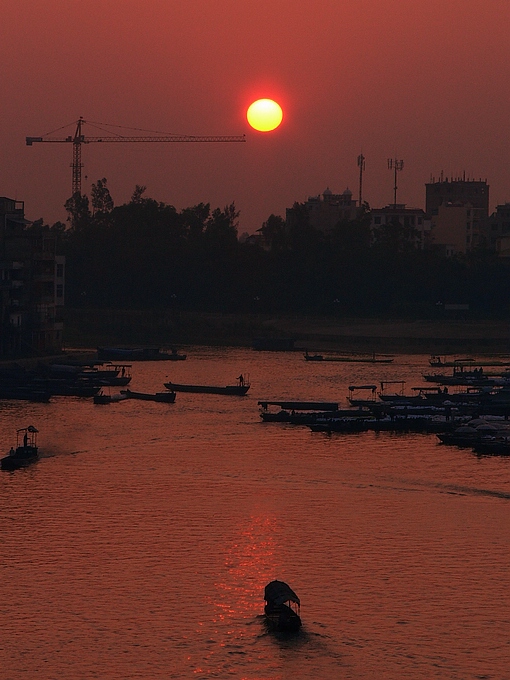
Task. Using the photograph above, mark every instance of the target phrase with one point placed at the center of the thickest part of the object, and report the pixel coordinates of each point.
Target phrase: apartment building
(459, 212)
(32, 277)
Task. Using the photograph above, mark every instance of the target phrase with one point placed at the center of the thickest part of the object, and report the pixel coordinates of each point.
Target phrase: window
(60, 271)
(60, 290)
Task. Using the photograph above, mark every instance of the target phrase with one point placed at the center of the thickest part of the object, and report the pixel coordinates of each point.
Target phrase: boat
(103, 397)
(355, 398)
(342, 423)
(474, 375)
(240, 389)
(313, 357)
(138, 354)
(493, 446)
(363, 359)
(466, 361)
(301, 405)
(436, 360)
(97, 374)
(295, 412)
(282, 608)
(471, 434)
(166, 397)
(26, 450)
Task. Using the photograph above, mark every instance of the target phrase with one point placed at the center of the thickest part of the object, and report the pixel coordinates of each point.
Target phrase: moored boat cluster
(469, 406)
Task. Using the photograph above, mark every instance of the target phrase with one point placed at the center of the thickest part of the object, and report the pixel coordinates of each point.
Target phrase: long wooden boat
(282, 608)
(236, 390)
(371, 359)
(166, 397)
(26, 450)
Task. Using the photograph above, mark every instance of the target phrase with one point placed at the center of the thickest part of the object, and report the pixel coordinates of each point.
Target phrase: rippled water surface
(140, 543)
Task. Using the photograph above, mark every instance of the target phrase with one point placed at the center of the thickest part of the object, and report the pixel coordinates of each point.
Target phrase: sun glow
(264, 115)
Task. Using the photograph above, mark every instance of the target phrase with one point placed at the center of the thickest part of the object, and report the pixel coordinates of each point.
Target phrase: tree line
(145, 254)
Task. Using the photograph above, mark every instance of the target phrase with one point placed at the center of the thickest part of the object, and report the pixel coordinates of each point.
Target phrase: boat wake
(454, 489)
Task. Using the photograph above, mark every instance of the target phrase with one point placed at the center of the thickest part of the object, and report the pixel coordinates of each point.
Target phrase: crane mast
(79, 138)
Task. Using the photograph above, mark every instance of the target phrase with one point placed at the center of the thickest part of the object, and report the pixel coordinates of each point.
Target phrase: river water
(140, 543)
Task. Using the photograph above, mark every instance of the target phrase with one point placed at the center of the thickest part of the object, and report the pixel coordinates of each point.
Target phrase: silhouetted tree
(78, 210)
(137, 195)
(274, 233)
(102, 201)
(195, 219)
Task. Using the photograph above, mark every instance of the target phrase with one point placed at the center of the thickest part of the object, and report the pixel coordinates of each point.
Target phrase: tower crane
(79, 138)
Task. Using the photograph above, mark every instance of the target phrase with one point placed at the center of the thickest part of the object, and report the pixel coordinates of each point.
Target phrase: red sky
(423, 81)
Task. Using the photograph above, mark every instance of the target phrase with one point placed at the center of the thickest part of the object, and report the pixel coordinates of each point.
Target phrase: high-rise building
(459, 210)
(31, 285)
(499, 226)
(461, 191)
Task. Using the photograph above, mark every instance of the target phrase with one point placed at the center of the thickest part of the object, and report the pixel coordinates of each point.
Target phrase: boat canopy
(278, 592)
(362, 387)
(30, 428)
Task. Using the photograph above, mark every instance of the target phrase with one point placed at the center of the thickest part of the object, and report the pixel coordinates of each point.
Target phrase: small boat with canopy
(282, 608)
(26, 450)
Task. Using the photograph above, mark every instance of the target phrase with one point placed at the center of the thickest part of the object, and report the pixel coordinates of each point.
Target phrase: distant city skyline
(421, 82)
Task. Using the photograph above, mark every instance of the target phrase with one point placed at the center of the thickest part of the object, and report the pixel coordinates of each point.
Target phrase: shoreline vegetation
(95, 327)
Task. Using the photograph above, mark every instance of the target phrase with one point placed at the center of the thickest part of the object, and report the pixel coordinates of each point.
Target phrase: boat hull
(24, 455)
(282, 619)
(165, 397)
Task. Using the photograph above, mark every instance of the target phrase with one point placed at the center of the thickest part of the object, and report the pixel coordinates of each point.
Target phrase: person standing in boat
(241, 380)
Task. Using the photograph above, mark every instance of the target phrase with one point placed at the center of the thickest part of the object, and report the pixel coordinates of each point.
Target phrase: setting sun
(264, 115)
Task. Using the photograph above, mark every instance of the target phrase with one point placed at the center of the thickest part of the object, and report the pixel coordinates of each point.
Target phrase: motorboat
(296, 412)
(354, 358)
(103, 397)
(26, 450)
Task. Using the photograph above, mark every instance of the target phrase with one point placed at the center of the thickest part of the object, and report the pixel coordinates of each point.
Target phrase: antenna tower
(361, 166)
(395, 165)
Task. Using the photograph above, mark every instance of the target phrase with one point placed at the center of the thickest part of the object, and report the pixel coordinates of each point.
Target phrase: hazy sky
(426, 81)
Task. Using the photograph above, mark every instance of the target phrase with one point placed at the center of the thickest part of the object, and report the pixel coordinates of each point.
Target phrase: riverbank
(90, 328)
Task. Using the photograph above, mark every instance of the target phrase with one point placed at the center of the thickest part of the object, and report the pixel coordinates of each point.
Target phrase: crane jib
(78, 139)
(172, 138)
